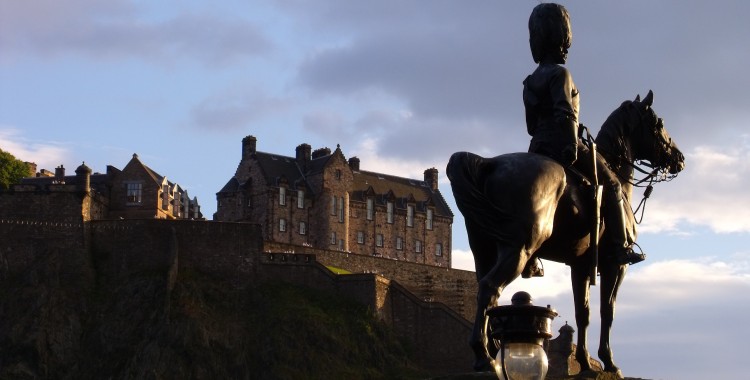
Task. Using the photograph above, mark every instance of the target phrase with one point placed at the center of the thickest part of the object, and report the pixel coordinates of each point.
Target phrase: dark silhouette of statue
(519, 207)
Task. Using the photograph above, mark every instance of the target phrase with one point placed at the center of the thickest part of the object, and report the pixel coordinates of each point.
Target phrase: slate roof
(400, 189)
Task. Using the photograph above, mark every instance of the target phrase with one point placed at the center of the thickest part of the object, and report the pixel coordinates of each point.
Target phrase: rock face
(61, 320)
(70, 311)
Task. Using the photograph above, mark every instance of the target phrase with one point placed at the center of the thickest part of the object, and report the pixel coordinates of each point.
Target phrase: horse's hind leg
(611, 279)
(497, 265)
(579, 274)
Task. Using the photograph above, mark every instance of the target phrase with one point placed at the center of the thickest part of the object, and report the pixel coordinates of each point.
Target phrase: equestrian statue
(546, 204)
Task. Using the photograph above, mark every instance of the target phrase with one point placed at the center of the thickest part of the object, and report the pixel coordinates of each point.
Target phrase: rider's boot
(533, 268)
(615, 219)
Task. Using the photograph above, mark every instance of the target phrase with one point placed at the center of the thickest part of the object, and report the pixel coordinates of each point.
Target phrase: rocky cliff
(63, 317)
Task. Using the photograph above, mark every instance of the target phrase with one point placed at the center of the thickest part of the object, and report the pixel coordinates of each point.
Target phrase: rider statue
(551, 101)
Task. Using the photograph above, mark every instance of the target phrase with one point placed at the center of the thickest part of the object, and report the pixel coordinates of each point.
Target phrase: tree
(11, 170)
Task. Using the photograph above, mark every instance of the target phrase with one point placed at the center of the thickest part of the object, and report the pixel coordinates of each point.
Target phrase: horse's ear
(637, 98)
(649, 99)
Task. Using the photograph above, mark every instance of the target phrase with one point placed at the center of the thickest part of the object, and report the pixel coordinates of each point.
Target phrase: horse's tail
(464, 170)
(463, 166)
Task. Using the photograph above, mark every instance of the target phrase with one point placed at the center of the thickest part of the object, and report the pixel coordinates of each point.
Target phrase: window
(282, 196)
(410, 216)
(399, 243)
(338, 174)
(341, 244)
(360, 237)
(134, 192)
(438, 249)
(428, 222)
(389, 212)
(282, 225)
(379, 240)
(333, 238)
(300, 199)
(333, 205)
(341, 210)
(418, 246)
(370, 208)
(302, 228)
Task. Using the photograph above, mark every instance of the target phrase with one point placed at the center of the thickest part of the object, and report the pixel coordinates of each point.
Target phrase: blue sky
(402, 85)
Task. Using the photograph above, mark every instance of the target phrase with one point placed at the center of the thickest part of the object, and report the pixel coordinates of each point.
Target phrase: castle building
(319, 199)
(135, 192)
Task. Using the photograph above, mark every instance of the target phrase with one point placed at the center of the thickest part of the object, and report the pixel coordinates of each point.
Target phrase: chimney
(303, 155)
(354, 163)
(60, 174)
(431, 177)
(249, 144)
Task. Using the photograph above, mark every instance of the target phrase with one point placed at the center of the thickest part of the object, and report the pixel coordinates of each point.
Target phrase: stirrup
(533, 268)
(628, 256)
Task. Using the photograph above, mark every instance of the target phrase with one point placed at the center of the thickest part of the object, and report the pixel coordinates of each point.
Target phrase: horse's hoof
(615, 371)
(483, 365)
(588, 374)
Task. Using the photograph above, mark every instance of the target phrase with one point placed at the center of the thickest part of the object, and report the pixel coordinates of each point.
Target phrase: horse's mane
(615, 128)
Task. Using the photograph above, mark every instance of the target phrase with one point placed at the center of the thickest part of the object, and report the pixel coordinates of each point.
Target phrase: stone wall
(222, 249)
(453, 287)
(437, 333)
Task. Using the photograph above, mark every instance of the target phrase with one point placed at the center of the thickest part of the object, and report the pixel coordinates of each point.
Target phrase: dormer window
(389, 212)
(410, 216)
(428, 221)
(282, 196)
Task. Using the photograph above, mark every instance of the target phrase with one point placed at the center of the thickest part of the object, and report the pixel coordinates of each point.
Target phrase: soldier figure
(551, 101)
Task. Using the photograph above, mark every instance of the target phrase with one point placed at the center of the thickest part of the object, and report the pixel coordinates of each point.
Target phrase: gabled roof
(275, 166)
(232, 185)
(158, 179)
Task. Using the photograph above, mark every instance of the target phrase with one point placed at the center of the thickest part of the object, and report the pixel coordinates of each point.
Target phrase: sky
(402, 85)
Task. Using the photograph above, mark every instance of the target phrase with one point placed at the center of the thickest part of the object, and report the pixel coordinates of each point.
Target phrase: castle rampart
(453, 287)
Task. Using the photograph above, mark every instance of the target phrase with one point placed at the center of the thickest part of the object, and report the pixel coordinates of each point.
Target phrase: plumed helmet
(549, 32)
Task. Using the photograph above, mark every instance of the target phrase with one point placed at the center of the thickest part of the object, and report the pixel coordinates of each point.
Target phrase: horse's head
(651, 141)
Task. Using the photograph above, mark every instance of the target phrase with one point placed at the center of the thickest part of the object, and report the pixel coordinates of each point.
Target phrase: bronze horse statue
(519, 206)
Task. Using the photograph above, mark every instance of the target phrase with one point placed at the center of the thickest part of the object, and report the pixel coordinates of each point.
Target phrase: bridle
(661, 151)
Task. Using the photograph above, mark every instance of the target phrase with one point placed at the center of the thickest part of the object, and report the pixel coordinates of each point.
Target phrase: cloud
(711, 192)
(233, 110)
(674, 318)
(122, 29)
(45, 154)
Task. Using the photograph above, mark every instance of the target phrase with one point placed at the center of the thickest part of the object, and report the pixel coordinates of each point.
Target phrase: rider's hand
(569, 154)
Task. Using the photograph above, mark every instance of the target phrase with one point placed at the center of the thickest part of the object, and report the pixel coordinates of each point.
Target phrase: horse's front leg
(579, 275)
(611, 279)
